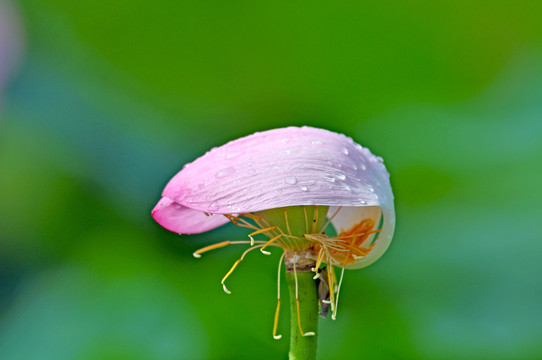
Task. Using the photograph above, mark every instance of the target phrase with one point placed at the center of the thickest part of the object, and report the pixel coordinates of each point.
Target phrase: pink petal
(276, 168)
(180, 219)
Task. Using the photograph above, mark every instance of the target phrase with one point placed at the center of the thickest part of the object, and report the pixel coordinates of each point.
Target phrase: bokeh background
(103, 101)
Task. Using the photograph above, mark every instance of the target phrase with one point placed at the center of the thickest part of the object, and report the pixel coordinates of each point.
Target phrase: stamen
(260, 232)
(310, 333)
(329, 220)
(306, 220)
(286, 219)
(319, 260)
(275, 323)
(240, 222)
(334, 313)
(269, 243)
(235, 265)
(197, 253)
(331, 284)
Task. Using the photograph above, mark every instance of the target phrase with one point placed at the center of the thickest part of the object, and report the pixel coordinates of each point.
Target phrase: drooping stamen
(310, 333)
(334, 312)
(269, 243)
(260, 232)
(276, 322)
(319, 260)
(197, 253)
(331, 284)
(235, 265)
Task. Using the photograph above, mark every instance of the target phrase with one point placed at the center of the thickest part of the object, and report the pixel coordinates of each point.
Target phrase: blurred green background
(110, 98)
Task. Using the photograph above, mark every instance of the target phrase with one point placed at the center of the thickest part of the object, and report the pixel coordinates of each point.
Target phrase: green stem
(303, 347)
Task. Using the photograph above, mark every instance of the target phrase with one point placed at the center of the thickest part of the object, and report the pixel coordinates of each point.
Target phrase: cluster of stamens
(316, 247)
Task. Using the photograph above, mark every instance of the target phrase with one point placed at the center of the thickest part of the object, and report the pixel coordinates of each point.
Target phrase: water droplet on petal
(290, 180)
(362, 167)
(177, 206)
(344, 150)
(359, 147)
(224, 172)
(303, 188)
(371, 189)
(363, 202)
(340, 175)
(316, 142)
(329, 178)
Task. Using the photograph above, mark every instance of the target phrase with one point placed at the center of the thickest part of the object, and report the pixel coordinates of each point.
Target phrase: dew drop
(316, 142)
(177, 206)
(330, 178)
(371, 189)
(340, 175)
(303, 188)
(224, 172)
(344, 150)
(290, 180)
(362, 167)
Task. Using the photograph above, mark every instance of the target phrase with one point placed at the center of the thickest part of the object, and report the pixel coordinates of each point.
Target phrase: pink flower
(281, 168)
(293, 185)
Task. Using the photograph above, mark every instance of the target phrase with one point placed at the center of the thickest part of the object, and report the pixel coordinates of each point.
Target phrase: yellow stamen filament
(276, 322)
(331, 284)
(197, 253)
(329, 220)
(310, 333)
(286, 220)
(269, 243)
(306, 220)
(260, 232)
(240, 222)
(235, 265)
(319, 260)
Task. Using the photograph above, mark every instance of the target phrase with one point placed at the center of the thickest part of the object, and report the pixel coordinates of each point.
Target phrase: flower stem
(303, 347)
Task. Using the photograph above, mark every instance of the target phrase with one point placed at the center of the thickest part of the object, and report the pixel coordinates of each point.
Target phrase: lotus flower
(316, 194)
